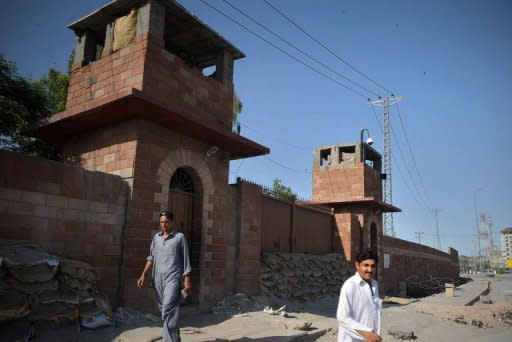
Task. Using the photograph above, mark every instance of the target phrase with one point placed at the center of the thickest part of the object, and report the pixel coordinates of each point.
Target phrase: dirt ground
(428, 322)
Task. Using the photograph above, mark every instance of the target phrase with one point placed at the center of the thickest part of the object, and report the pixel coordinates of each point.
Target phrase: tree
(283, 191)
(24, 105)
(237, 109)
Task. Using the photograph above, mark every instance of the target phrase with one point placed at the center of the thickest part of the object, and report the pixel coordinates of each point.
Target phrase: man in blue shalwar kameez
(169, 259)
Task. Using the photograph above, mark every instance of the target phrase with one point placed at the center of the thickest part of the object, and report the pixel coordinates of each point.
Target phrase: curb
(477, 298)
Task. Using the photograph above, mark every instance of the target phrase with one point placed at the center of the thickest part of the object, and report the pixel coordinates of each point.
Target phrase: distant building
(506, 247)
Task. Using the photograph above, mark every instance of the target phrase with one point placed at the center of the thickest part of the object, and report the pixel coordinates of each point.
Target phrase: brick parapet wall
(333, 183)
(168, 78)
(121, 70)
(147, 66)
(71, 212)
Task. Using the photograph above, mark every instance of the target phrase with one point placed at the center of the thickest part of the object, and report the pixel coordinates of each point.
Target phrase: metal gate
(183, 204)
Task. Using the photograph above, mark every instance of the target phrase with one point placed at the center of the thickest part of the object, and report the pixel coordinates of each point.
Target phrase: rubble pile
(302, 277)
(41, 287)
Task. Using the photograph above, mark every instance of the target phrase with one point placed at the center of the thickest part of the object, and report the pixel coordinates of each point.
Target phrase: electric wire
(399, 168)
(284, 51)
(325, 47)
(298, 49)
(410, 150)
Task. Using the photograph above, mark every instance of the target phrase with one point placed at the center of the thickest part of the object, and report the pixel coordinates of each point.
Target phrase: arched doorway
(185, 203)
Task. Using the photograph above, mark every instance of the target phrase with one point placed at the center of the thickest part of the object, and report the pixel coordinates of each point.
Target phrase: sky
(450, 60)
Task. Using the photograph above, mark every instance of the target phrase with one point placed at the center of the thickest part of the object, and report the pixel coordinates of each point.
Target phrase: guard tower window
(325, 157)
(347, 154)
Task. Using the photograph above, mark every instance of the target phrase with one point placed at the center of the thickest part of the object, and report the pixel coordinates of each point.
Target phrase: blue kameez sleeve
(186, 260)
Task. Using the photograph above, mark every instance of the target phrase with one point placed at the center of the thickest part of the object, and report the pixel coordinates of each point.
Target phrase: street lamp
(369, 141)
(478, 227)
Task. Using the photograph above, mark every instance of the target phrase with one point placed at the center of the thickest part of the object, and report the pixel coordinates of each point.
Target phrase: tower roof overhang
(134, 104)
(362, 202)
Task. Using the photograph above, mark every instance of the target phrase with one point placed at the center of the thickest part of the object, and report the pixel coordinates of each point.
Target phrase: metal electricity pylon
(389, 228)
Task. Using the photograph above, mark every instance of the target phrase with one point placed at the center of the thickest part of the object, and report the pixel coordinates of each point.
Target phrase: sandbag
(125, 29)
(36, 273)
(33, 288)
(77, 276)
(3, 269)
(59, 296)
(95, 306)
(13, 304)
(22, 254)
(53, 312)
(96, 321)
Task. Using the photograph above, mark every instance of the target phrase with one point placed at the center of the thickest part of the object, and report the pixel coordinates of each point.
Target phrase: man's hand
(187, 284)
(140, 281)
(370, 336)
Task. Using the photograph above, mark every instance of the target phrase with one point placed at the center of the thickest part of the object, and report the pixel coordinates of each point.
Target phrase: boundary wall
(70, 212)
(416, 270)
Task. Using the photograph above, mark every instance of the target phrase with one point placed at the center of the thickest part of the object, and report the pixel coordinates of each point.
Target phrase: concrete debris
(238, 302)
(295, 325)
(128, 317)
(302, 277)
(273, 312)
(189, 331)
(241, 315)
(402, 335)
(398, 300)
(39, 285)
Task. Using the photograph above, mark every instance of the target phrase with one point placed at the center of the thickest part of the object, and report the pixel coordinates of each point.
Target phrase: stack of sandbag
(13, 304)
(77, 276)
(40, 286)
(302, 277)
(95, 311)
(55, 305)
(29, 268)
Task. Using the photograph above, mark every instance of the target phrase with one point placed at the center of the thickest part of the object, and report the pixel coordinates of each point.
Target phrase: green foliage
(24, 105)
(237, 108)
(282, 190)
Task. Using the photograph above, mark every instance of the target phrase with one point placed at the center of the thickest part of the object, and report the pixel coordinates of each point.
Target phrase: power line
(283, 51)
(410, 150)
(398, 167)
(407, 168)
(325, 47)
(298, 49)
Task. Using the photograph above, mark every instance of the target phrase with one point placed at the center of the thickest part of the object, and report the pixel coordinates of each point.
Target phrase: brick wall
(109, 75)
(146, 66)
(338, 183)
(69, 211)
(415, 265)
(249, 250)
(169, 79)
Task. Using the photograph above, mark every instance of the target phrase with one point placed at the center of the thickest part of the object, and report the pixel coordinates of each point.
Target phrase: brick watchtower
(139, 106)
(353, 188)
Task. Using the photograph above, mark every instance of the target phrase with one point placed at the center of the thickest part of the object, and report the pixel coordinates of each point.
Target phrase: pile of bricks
(302, 277)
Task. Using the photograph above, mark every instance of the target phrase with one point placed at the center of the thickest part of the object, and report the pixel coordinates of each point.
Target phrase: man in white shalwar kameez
(360, 307)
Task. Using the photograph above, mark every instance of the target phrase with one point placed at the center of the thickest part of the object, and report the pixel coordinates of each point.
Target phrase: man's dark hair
(168, 214)
(367, 254)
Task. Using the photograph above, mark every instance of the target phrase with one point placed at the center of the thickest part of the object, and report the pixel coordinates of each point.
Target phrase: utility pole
(418, 236)
(389, 228)
(489, 224)
(438, 235)
(478, 229)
